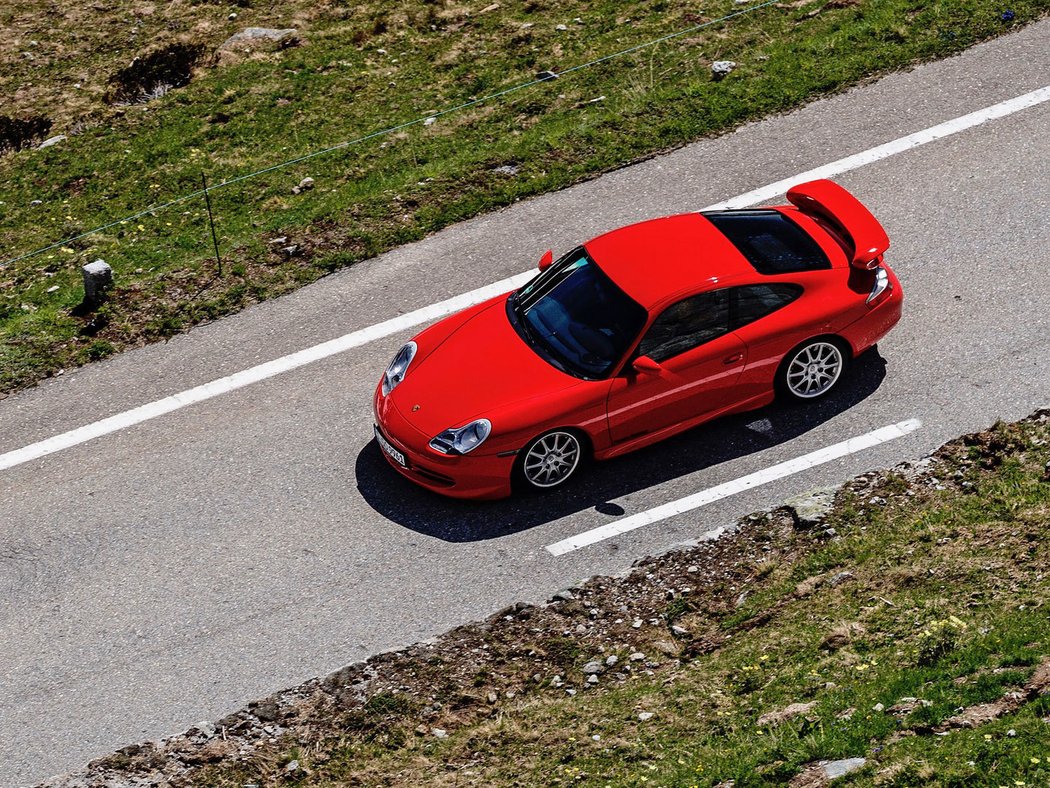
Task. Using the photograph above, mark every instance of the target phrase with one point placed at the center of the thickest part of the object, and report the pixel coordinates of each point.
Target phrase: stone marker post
(98, 278)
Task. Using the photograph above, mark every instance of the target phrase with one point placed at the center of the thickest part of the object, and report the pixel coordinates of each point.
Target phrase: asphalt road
(172, 571)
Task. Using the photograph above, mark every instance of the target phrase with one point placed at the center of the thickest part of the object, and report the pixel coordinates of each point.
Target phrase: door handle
(733, 358)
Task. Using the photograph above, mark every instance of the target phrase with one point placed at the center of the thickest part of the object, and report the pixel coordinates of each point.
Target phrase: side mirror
(546, 260)
(646, 366)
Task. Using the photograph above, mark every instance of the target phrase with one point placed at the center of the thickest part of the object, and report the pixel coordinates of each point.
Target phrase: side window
(757, 301)
(686, 325)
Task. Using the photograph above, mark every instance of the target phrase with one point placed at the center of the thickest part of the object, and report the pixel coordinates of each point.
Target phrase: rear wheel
(551, 459)
(812, 370)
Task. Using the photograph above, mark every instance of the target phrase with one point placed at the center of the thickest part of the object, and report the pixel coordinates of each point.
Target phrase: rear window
(770, 241)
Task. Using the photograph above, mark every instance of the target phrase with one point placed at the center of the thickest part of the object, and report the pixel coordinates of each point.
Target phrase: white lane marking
(261, 372)
(752, 480)
(433, 312)
(892, 148)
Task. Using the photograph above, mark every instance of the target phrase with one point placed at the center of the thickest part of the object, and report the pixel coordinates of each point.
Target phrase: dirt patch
(18, 133)
(1011, 701)
(154, 74)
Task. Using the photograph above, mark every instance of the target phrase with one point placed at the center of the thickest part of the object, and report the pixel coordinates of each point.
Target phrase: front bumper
(477, 476)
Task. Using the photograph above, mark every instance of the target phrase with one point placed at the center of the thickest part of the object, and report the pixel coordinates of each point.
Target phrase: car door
(700, 360)
(759, 318)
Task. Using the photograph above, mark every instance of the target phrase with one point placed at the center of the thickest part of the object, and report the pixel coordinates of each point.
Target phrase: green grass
(948, 603)
(336, 86)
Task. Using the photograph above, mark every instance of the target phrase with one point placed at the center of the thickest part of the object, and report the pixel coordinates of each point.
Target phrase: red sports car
(637, 335)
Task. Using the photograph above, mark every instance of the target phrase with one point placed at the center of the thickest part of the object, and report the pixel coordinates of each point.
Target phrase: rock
(878, 707)
(785, 714)
(666, 647)
(292, 767)
(645, 715)
(98, 279)
(265, 710)
(636, 624)
(679, 631)
(811, 508)
(492, 697)
(53, 288)
(720, 68)
(206, 728)
(51, 141)
(561, 27)
(835, 769)
(565, 595)
(430, 121)
(260, 39)
(819, 774)
(570, 692)
(592, 679)
(637, 656)
(439, 733)
(839, 578)
(41, 202)
(304, 185)
(611, 660)
(506, 169)
(593, 667)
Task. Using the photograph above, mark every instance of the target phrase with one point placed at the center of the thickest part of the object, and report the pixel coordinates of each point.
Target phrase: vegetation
(911, 629)
(149, 103)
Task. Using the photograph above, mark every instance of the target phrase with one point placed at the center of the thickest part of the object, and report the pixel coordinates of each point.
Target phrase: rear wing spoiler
(827, 201)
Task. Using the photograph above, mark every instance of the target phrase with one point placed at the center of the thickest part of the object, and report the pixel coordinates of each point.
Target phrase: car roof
(659, 258)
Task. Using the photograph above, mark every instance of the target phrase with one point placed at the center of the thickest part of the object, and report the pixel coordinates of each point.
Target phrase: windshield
(574, 316)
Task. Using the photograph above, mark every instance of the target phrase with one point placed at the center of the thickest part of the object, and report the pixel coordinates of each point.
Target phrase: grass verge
(908, 630)
(353, 69)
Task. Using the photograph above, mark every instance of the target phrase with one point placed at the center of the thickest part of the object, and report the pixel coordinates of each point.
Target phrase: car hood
(480, 368)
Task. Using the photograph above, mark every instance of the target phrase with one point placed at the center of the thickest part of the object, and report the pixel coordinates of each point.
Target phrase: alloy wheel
(814, 370)
(551, 459)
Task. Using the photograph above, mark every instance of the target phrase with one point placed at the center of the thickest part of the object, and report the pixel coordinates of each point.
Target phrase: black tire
(550, 460)
(813, 369)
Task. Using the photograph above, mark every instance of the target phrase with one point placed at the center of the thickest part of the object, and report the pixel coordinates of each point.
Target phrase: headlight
(463, 439)
(395, 373)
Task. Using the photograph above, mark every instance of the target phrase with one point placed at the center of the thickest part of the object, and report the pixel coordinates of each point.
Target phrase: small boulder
(257, 39)
(785, 714)
(721, 68)
(811, 508)
(51, 141)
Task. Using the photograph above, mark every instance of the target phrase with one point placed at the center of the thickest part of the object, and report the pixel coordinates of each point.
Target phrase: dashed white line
(427, 314)
(726, 489)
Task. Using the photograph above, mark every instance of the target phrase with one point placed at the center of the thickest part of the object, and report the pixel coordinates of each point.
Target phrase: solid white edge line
(727, 489)
(441, 309)
(892, 148)
(263, 371)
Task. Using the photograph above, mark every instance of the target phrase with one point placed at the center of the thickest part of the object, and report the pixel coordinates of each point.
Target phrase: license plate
(391, 452)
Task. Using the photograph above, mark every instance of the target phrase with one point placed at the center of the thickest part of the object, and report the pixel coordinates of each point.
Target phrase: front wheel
(812, 370)
(551, 459)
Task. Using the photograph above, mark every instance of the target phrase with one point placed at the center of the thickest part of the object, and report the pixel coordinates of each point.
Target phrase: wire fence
(542, 78)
